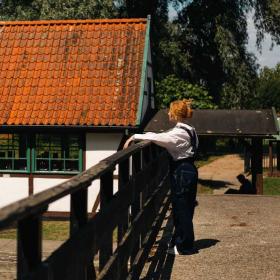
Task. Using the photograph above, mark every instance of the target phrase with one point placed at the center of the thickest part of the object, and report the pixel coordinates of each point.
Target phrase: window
(14, 153)
(57, 153)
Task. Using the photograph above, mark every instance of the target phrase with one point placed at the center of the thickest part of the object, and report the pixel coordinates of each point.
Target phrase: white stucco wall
(12, 189)
(41, 184)
(101, 145)
(98, 147)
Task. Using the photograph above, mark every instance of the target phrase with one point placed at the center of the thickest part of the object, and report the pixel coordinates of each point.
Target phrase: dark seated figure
(245, 188)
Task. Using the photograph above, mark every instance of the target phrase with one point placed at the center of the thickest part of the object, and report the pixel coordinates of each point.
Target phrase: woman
(181, 142)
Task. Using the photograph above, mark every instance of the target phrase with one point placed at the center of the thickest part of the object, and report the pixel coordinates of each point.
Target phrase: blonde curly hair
(180, 109)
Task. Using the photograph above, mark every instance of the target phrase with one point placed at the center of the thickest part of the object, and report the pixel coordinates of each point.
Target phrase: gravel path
(221, 173)
(237, 236)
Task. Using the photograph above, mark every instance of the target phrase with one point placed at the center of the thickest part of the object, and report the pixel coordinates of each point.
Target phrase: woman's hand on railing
(128, 142)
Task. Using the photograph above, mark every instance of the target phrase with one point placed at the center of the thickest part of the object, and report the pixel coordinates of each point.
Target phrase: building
(70, 90)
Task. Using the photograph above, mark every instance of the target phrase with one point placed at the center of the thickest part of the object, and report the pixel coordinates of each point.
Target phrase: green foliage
(214, 36)
(163, 58)
(268, 88)
(267, 19)
(172, 88)
(205, 45)
(56, 9)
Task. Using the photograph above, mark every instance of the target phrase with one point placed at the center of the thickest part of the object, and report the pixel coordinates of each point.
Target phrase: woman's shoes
(174, 251)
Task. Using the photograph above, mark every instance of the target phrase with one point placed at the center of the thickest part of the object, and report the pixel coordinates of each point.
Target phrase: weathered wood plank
(35, 203)
(139, 261)
(257, 169)
(29, 245)
(132, 215)
(78, 210)
(106, 195)
(135, 206)
(125, 248)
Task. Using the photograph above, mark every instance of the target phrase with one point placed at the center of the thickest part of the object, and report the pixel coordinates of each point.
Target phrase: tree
(214, 36)
(267, 19)
(205, 45)
(268, 88)
(160, 28)
(172, 88)
(56, 9)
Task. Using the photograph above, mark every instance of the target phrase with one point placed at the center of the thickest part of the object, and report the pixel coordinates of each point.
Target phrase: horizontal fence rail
(135, 211)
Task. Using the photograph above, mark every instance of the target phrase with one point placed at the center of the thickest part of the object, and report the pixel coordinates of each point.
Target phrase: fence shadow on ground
(160, 263)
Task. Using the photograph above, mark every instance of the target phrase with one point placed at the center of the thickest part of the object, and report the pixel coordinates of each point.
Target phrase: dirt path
(221, 173)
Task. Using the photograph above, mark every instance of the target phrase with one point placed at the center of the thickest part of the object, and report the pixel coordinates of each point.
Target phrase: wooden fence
(271, 158)
(136, 211)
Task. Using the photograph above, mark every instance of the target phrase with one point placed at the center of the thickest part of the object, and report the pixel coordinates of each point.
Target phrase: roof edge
(144, 70)
(72, 21)
(60, 128)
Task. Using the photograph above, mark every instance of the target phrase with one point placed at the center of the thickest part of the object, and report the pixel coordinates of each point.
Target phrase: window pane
(73, 153)
(20, 164)
(6, 164)
(13, 152)
(72, 165)
(57, 165)
(42, 164)
(57, 153)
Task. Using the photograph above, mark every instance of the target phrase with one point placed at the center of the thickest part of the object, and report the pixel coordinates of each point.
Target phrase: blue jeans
(183, 193)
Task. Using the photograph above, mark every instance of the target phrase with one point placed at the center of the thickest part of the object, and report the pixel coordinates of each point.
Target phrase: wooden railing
(271, 158)
(135, 211)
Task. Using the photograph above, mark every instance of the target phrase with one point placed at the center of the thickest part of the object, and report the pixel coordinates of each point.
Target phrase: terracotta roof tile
(84, 72)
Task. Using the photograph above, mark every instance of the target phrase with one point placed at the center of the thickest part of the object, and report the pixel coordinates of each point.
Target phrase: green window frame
(57, 153)
(14, 153)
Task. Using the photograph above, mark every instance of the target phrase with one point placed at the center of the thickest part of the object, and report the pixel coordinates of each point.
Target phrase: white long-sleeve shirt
(177, 141)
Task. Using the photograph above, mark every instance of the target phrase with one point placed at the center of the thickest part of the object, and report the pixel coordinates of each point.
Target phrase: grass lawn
(204, 161)
(204, 189)
(52, 230)
(271, 186)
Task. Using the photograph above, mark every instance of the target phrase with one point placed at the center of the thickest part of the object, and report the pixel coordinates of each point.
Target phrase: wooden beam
(257, 168)
(29, 245)
(106, 195)
(278, 157)
(270, 156)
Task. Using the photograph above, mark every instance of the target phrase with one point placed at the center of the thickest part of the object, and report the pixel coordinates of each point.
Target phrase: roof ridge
(75, 21)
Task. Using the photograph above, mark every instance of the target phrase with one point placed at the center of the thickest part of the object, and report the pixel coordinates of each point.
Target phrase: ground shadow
(232, 191)
(214, 184)
(205, 243)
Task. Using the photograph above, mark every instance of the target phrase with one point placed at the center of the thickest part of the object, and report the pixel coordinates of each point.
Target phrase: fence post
(29, 246)
(278, 156)
(257, 168)
(123, 225)
(106, 195)
(270, 156)
(78, 212)
(78, 219)
(135, 207)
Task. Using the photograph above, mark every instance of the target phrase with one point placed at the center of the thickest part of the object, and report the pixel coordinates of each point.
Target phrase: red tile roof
(71, 72)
